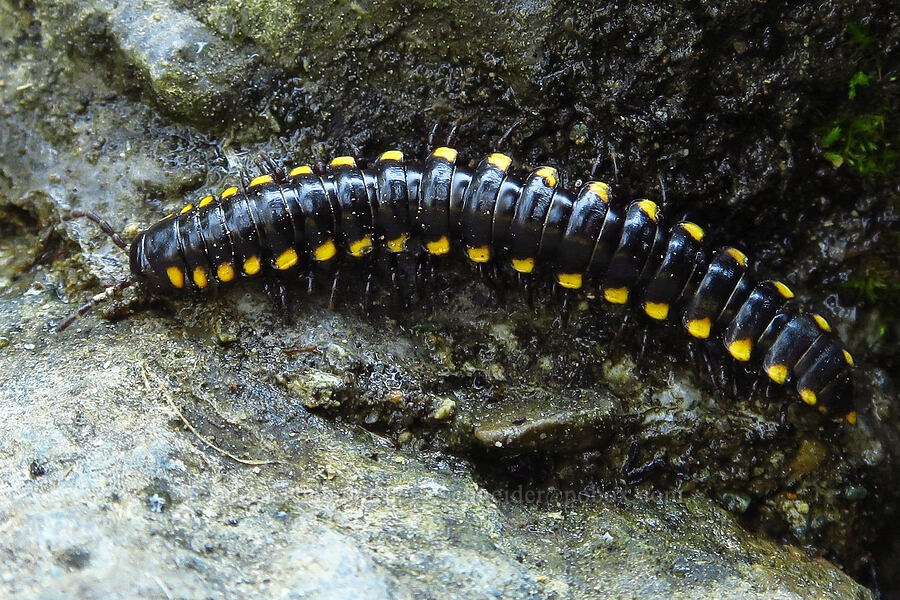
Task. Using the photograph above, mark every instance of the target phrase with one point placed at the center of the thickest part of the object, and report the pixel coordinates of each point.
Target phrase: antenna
(110, 291)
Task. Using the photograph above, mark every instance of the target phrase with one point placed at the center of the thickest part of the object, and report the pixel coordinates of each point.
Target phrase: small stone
(225, 333)
(444, 409)
(156, 503)
(36, 469)
(736, 502)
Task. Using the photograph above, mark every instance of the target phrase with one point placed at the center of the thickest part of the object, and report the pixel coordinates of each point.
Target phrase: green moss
(874, 281)
(863, 134)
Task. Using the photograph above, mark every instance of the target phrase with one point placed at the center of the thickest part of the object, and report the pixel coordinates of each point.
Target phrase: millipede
(284, 221)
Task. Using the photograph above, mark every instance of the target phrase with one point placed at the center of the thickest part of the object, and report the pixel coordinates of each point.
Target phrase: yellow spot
(784, 290)
(737, 255)
(200, 277)
(548, 174)
(286, 259)
(187, 208)
(848, 357)
(601, 189)
(501, 161)
(439, 246)
(392, 155)
(260, 180)
(741, 349)
(482, 254)
(325, 251)
(777, 373)
(168, 216)
(851, 417)
(616, 295)
(225, 272)
(694, 230)
(657, 310)
(649, 208)
(397, 244)
(361, 246)
(229, 192)
(821, 322)
(251, 265)
(304, 170)
(523, 265)
(699, 328)
(205, 201)
(809, 397)
(176, 276)
(343, 161)
(448, 154)
(571, 281)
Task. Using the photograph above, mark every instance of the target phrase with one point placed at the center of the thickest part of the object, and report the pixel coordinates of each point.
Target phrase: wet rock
(132, 503)
(188, 70)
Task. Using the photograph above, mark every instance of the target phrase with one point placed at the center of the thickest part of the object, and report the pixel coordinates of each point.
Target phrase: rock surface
(476, 451)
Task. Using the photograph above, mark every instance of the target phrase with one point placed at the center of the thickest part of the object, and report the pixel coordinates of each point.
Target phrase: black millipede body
(284, 221)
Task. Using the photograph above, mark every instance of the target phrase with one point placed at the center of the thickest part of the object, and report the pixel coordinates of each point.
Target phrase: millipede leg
(663, 202)
(723, 379)
(358, 156)
(707, 363)
(618, 336)
(398, 297)
(498, 277)
(335, 284)
(278, 296)
(612, 156)
(754, 388)
(419, 276)
(370, 291)
(434, 129)
(784, 421)
(451, 135)
(527, 291)
(564, 310)
(504, 139)
(641, 353)
(487, 274)
(424, 274)
(245, 180)
(595, 167)
(266, 164)
(734, 379)
(694, 358)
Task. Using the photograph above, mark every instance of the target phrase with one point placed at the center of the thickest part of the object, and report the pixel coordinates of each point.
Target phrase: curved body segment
(491, 213)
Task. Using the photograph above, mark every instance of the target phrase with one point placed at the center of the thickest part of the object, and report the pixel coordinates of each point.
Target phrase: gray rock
(191, 72)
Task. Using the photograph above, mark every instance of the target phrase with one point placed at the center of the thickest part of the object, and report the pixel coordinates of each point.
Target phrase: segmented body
(282, 223)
